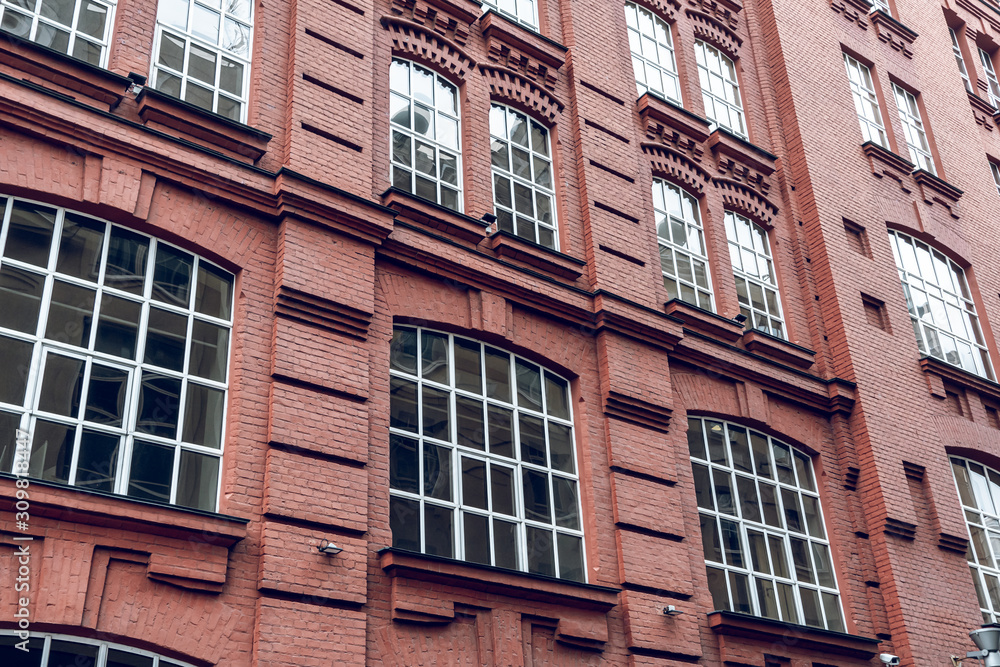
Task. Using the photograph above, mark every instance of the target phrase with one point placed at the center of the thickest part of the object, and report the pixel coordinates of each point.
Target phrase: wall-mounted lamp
(740, 319)
(671, 610)
(488, 221)
(987, 640)
(329, 548)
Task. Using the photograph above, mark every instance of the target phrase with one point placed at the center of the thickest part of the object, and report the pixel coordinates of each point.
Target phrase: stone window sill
(725, 142)
(704, 321)
(656, 111)
(202, 127)
(498, 29)
(65, 74)
(936, 190)
(433, 216)
(937, 372)
(767, 345)
(778, 632)
(546, 260)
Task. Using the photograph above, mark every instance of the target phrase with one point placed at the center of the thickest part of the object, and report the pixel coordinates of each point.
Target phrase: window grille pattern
(756, 282)
(683, 256)
(913, 127)
(762, 528)
(882, 5)
(979, 491)
(992, 85)
(652, 53)
(960, 60)
(202, 53)
(59, 650)
(80, 28)
(523, 194)
(118, 350)
(941, 307)
(522, 11)
(720, 88)
(482, 465)
(426, 136)
(865, 102)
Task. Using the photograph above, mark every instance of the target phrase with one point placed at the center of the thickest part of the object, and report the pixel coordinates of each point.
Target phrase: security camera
(888, 658)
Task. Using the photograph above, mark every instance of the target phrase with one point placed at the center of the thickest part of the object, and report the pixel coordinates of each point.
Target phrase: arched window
(58, 650)
(75, 27)
(652, 53)
(523, 195)
(762, 528)
(941, 307)
(979, 492)
(753, 269)
(115, 347)
(720, 88)
(683, 255)
(426, 134)
(482, 462)
(202, 54)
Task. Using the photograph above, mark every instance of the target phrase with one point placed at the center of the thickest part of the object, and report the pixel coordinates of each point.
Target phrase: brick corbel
(892, 32)
(983, 111)
(855, 11)
(709, 29)
(511, 88)
(530, 54)
(739, 160)
(665, 9)
(740, 198)
(451, 18)
(724, 11)
(423, 45)
(885, 163)
(670, 165)
(935, 190)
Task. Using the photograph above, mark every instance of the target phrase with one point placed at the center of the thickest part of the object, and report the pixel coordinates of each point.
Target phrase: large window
(80, 28)
(652, 53)
(426, 148)
(913, 127)
(59, 650)
(683, 256)
(756, 282)
(865, 102)
(720, 88)
(522, 176)
(960, 59)
(762, 527)
(979, 491)
(482, 465)
(941, 307)
(521, 11)
(992, 85)
(116, 350)
(202, 53)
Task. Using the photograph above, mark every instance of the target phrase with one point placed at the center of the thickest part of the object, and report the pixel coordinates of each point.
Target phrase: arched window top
(720, 88)
(763, 533)
(56, 650)
(941, 306)
(681, 239)
(979, 493)
(121, 343)
(653, 58)
(753, 269)
(482, 460)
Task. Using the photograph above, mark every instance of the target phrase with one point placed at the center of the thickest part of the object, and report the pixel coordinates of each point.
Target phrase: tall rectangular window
(996, 175)
(756, 283)
(523, 196)
(913, 127)
(683, 255)
(992, 85)
(426, 134)
(80, 28)
(979, 493)
(201, 53)
(866, 102)
(960, 60)
(720, 88)
(521, 11)
(652, 53)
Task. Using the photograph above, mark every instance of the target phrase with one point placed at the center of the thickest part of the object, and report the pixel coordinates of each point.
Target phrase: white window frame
(438, 113)
(996, 175)
(938, 306)
(960, 60)
(39, 22)
(681, 240)
(653, 57)
(881, 5)
(43, 347)
(524, 12)
(221, 52)
(720, 86)
(913, 129)
(543, 233)
(749, 250)
(866, 102)
(516, 465)
(992, 85)
(713, 446)
(103, 649)
(978, 488)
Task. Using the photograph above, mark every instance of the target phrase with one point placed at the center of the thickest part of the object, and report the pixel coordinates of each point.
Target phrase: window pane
(29, 234)
(15, 360)
(536, 496)
(501, 432)
(439, 532)
(404, 463)
(127, 257)
(720, 591)
(532, 434)
(106, 394)
(497, 375)
(474, 483)
(502, 486)
(570, 557)
(214, 295)
(80, 247)
(403, 351)
(172, 275)
(51, 451)
(468, 366)
(561, 447)
(434, 357)
(70, 314)
(505, 544)
(62, 384)
(437, 472)
(529, 386)
(209, 351)
(436, 413)
(477, 538)
(198, 481)
(403, 405)
(470, 423)
(404, 522)
(166, 338)
(20, 299)
(118, 326)
(122, 659)
(541, 556)
(159, 401)
(203, 415)
(565, 500)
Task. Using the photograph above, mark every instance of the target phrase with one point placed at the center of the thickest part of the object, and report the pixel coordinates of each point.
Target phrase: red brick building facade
(555, 320)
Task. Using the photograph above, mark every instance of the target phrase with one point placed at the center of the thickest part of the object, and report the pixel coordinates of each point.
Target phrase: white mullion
(175, 473)
(78, 435)
(9, 207)
(46, 649)
(77, 6)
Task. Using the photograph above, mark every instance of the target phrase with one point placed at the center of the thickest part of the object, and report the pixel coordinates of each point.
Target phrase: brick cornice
(778, 633)
(512, 88)
(421, 44)
(673, 166)
(893, 33)
(741, 198)
(710, 29)
(665, 9)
